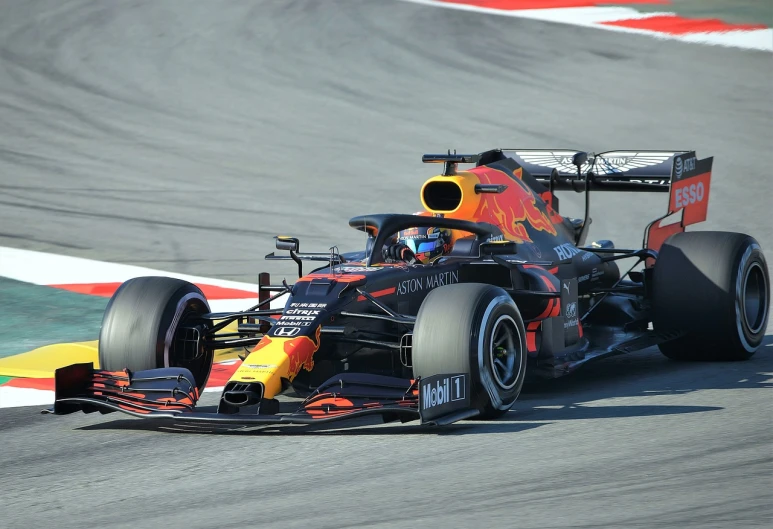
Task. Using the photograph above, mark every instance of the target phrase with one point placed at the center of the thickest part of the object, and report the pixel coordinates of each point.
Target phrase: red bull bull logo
(278, 358)
(511, 210)
(301, 351)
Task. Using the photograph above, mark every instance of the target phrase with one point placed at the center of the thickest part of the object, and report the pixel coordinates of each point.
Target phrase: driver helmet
(428, 244)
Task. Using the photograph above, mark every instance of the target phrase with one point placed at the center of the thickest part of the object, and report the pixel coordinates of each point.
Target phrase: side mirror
(579, 159)
(287, 243)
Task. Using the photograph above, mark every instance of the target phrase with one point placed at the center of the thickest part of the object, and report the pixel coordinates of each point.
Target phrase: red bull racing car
(442, 315)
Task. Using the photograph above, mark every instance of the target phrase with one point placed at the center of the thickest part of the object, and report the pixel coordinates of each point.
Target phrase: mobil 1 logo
(441, 395)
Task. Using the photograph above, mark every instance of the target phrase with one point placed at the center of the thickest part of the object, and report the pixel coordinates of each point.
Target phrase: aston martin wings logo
(620, 162)
(560, 160)
(604, 164)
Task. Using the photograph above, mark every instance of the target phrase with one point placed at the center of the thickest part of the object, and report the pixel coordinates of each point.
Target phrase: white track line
(42, 268)
(11, 397)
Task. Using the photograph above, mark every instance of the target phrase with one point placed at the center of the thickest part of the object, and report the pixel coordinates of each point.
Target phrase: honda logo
(287, 332)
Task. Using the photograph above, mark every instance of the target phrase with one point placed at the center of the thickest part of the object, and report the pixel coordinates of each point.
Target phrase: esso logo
(687, 195)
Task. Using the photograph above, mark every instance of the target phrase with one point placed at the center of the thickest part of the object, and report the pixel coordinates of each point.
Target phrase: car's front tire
(143, 324)
(477, 329)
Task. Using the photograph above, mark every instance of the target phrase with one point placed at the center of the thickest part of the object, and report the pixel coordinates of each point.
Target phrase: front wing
(170, 393)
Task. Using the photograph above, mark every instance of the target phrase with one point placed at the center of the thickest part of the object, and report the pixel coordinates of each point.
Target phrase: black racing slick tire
(715, 286)
(144, 328)
(477, 329)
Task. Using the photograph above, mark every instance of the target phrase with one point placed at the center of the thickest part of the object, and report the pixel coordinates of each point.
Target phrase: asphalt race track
(183, 136)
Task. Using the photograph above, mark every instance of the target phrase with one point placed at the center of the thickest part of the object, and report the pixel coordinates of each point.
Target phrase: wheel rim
(505, 351)
(754, 298)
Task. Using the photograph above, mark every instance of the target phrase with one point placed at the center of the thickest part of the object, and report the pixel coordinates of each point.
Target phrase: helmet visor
(425, 250)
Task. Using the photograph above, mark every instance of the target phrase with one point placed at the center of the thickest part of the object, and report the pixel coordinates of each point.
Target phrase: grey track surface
(183, 135)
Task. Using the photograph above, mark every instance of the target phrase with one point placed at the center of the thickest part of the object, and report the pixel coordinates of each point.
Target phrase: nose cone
(278, 358)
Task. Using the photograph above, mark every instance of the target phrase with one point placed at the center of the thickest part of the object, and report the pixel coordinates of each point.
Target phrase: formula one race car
(442, 315)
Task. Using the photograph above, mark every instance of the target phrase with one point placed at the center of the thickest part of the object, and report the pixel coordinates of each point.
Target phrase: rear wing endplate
(688, 196)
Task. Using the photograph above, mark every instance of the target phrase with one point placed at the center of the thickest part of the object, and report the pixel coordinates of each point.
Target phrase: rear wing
(648, 171)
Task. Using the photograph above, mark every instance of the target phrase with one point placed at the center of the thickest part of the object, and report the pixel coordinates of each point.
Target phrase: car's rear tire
(457, 329)
(715, 286)
(141, 327)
